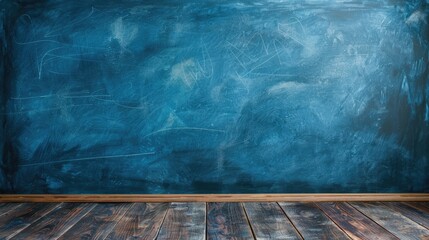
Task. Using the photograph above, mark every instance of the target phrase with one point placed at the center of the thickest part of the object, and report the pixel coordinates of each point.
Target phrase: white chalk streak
(88, 158)
(184, 128)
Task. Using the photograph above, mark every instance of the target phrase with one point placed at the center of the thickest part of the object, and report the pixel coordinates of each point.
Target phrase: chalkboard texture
(214, 96)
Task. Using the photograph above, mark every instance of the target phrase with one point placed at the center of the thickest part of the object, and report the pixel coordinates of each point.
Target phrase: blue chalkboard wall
(188, 96)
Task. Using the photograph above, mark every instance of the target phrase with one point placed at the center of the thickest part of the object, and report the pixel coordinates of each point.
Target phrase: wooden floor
(262, 220)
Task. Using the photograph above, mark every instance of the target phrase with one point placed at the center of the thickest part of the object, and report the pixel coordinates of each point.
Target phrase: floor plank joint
(215, 220)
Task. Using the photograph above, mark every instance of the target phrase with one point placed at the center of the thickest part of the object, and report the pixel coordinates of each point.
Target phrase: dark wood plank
(394, 222)
(141, 221)
(186, 220)
(21, 217)
(227, 221)
(354, 223)
(268, 221)
(415, 214)
(98, 223)
(311, 222)
(7, 207)
(418, 205)
(58, 221)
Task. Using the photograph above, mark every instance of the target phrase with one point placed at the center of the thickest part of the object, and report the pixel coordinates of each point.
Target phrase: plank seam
(290, 220)
(394, 209)
(163, 220)
(350, 204)
(78, 219)
(17, 232)
(248, 221)
(332, 220)
(207, 222)
(10, 209)
(119, 220)
(418, 206)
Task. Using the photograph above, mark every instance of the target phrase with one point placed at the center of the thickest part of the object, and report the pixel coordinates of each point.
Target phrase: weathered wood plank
(227, 221)
(7, 207)
(311, 222)
(418, 205)
(394, 222)
(425, 204)
(268, 221)
(21, 217)
(354, 223)
(98, 223)
(184, 221)
(58, 221)
(141, 221)
(415, 214)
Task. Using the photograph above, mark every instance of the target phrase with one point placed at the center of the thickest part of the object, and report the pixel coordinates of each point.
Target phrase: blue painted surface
(214, 96)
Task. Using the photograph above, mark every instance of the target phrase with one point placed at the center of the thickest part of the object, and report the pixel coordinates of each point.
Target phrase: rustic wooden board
(184, 221)
(141, 221)
(227, 221)
(21, 217)
(412, 213)
(354, 223)
(418, 205)
(58, 221)
(7, 207)
(311, 222)
(268, 221)
(394, 222)
(98, 223)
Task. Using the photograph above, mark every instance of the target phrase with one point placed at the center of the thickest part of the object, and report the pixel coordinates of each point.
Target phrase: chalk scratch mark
(36, 41)
(88, 158)
(49, 109)
(262, 63)
(183, 128)
(58, 29)
(289, 35)
(117, 103)
(40, 65)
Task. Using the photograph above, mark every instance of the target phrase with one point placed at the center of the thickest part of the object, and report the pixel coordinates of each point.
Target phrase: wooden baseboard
(213, 197)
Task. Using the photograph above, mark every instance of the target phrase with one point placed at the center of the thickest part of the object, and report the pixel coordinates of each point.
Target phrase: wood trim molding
(214, 197)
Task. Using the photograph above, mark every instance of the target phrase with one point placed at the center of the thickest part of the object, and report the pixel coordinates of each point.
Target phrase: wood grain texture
(268, 221)
(311, 222)
(6, 207)
(141, 221)
(415, 214)
(184, 221)
(224, 221)
(54, 224)
(21, 217)
(212, 197)
(394, 222)
(227, 221)
(422, 207)
(98, 223)
(354, 223)
(419, 205)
